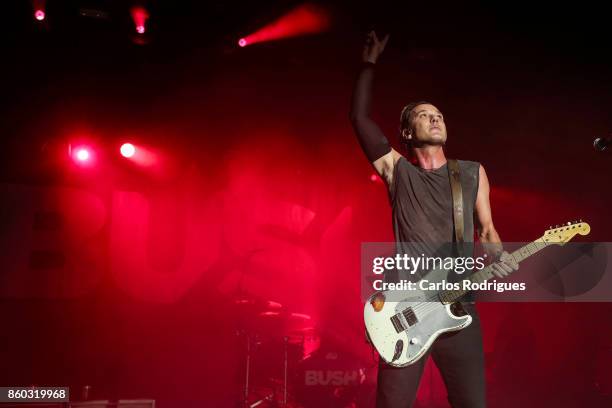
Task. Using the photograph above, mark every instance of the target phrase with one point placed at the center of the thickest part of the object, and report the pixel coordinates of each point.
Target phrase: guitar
(402, 331)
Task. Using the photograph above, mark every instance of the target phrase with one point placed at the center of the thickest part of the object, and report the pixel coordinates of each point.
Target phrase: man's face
(427, 126)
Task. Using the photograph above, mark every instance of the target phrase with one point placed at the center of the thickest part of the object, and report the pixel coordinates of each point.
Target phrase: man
(422, 212)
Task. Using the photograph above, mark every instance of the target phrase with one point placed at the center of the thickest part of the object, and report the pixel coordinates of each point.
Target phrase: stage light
(39, 7)
(139, 155)
(140, 16)
(302, 20)
(127, 150)
(375, 178)
(82, 154)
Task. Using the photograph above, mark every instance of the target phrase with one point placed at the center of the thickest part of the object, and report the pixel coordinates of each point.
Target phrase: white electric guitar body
(403, 329)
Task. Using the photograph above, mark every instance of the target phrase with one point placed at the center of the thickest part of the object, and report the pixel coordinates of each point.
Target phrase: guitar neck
(524, 252)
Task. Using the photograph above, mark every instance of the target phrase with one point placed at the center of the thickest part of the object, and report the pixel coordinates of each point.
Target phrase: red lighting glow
(81, 154)
(39, 7)
(127, 150)
(303, 20)
(140, 16)
(140, 155)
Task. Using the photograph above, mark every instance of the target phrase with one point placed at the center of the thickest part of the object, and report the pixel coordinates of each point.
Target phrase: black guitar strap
(454, 176)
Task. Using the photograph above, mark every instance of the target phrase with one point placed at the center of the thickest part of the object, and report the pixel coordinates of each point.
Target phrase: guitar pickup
(410, 317)
(397, 323)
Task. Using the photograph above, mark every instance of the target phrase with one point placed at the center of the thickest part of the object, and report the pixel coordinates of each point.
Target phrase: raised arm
(371, 138)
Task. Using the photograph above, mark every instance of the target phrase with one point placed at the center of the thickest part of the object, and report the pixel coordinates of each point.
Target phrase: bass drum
(332, 378)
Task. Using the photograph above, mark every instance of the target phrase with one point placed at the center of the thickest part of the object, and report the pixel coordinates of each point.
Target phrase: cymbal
(258, 304)
(282, 323)
(300, 316)
(293, 318)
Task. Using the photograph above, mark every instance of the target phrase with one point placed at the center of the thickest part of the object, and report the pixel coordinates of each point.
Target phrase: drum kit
(275, 341)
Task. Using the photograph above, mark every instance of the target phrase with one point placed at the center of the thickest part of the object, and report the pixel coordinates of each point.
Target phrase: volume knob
(414, 340)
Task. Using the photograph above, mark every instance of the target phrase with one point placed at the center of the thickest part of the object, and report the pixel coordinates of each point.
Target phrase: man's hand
(373, 47)
(504, 266)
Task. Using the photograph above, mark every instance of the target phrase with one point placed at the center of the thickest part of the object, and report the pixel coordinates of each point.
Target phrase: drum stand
(247, 374)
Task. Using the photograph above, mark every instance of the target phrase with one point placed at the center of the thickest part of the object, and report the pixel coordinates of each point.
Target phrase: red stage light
(304, 19)
(82, 154)
(127, 150)
(140, 155)
(39, 15)
(242, 42)
(140, 16)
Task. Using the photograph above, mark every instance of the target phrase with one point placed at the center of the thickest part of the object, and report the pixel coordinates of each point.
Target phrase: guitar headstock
(565, 232)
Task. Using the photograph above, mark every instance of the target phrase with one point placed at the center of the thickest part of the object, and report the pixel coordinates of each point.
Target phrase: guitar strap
(454, 176)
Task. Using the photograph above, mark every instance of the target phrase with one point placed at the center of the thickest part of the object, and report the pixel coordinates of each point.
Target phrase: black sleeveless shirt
(423, 208)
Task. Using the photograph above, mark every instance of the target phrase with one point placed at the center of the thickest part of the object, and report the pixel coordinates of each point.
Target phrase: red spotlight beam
(140, 16)
(303, 20)
(140, 155)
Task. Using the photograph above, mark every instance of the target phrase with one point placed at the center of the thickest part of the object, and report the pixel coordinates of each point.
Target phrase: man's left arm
(487, 234)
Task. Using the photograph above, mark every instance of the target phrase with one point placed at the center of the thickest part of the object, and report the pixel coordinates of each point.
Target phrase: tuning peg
(550, 227)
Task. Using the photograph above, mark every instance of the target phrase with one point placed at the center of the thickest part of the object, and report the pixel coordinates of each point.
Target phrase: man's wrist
(493, 251)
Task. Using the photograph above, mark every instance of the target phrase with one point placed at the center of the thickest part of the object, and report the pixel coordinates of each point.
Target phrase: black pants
(460, 359)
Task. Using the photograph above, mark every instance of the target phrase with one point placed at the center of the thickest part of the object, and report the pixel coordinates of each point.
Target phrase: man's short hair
(405, 116)
(405, 122)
